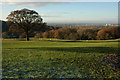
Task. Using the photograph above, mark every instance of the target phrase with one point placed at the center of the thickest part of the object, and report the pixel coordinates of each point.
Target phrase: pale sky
(67, 12)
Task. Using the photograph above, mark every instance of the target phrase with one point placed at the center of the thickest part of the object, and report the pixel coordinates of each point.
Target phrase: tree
(112, 32)
(87, 33)
(25, 19)
(73, 36)
(66, 32)
(57, 34)
(46, 34)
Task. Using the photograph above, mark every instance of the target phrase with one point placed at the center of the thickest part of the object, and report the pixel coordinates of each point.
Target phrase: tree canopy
(25, 19)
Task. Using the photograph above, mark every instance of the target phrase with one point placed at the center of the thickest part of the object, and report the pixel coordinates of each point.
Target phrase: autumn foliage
(109, 33)
(68, 33)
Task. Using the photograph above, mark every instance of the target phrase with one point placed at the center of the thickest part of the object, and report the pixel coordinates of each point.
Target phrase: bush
(4, 34)
(22, 35)
(38, 35)
(46, 34)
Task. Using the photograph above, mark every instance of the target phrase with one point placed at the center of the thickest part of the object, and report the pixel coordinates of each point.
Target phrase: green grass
(58, 59)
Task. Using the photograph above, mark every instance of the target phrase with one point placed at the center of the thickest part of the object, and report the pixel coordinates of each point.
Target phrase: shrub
(22, 35)
(4, 34)
(38, 35)
(46, 34)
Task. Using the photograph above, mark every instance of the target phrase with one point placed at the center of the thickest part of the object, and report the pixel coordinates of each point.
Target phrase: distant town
(81, 25)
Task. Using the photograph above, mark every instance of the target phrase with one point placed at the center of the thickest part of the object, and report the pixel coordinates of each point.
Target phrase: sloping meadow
(59, 59)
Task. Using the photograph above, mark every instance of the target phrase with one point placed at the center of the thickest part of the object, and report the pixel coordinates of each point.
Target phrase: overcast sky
(67, 12)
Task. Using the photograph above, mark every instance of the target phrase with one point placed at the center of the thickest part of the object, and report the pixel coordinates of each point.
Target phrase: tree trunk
(27, 37)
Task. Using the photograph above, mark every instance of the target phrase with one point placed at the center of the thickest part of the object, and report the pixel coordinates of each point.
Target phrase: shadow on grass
(99, 41)
(77, 49)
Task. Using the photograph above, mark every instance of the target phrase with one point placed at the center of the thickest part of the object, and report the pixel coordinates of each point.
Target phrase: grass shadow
(77, 49)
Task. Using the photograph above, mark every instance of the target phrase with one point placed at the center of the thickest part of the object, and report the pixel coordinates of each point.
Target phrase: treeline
(10, 31)
(68, 33)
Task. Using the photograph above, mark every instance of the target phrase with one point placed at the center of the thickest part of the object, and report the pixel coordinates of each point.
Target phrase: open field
(59, 59)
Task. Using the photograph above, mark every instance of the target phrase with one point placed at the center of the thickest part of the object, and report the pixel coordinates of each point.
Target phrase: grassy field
(58, 59)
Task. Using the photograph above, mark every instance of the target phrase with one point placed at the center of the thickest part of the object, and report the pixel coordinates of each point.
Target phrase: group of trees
(109, 33)
(23, 23)
(26, 23)
(68, 33)
(62, 33)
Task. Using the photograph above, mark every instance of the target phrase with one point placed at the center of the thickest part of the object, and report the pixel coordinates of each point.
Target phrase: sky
(67, 12)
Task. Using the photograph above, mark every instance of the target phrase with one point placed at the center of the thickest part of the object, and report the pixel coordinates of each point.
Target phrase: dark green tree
(25, 19)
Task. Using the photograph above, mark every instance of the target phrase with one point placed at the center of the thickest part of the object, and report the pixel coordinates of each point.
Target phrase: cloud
(41, 3)
(36, 4)
(60, 1)
(36, 0)
(30, 4)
